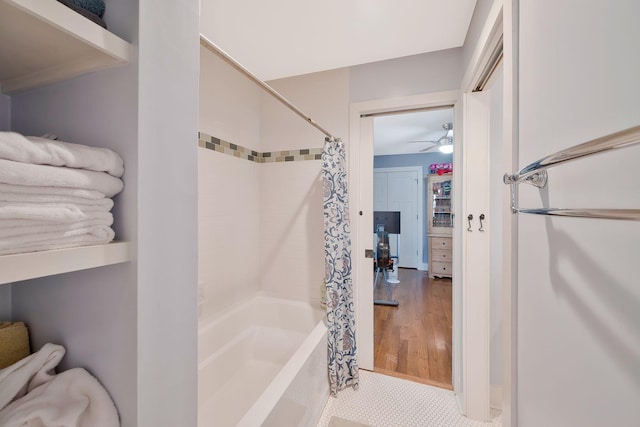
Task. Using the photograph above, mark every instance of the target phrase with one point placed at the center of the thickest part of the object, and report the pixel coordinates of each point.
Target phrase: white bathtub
(263, 363)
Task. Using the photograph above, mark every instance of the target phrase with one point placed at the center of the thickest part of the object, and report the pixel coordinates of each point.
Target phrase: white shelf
(14, 268)
(43, 41)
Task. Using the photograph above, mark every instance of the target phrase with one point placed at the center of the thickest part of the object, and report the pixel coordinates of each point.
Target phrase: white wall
(478, 19)
(228, 188)
(410, 75)
(292, 251)
(578, 293)
(5, 112)
(167, 228)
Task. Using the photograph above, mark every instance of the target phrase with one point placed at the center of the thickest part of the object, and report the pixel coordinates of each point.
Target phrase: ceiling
(283, 38)
(392, 133)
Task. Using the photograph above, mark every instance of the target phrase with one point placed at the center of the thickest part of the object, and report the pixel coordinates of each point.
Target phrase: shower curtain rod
(235, 64)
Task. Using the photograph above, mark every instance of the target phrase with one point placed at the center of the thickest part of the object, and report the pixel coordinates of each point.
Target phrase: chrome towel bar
(536, 174)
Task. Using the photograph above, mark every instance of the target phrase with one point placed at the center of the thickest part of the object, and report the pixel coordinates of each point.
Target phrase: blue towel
(94, 6)
(84, 12)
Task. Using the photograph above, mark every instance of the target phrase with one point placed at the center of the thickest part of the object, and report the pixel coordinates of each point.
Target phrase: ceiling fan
(444, 143)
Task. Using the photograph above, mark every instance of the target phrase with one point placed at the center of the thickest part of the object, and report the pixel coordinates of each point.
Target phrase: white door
(578, 286)
(399, 191)
(475, 256)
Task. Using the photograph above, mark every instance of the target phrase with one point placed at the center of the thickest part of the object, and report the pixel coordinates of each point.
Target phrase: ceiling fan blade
(424, 150)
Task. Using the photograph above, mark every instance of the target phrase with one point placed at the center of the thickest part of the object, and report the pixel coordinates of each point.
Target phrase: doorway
(413, 336)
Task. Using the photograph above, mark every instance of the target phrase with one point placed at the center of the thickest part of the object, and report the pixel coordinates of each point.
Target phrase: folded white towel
(55, 212)
(17, 173)
(102, 233)
(43, 151)
(61, 243)
(71, 398)
(38, 199)
(19, 227)
(51, 191)
(28, 373)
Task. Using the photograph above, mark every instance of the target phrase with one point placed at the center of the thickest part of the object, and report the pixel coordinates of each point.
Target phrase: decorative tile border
(216, 144)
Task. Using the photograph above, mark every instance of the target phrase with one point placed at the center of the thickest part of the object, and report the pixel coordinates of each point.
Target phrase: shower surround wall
(228, 189)
(260, 211)
(291, 225)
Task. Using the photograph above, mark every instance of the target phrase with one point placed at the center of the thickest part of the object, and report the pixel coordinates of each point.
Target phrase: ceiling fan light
(446, 148)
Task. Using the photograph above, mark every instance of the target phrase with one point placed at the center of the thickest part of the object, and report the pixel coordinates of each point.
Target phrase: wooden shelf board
(43, 41)
(14, 268)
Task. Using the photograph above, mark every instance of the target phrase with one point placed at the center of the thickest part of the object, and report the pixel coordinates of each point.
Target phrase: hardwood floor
(413, 341)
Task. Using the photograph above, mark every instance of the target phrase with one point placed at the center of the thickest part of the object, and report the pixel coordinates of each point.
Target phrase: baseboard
(423, 266)
(495, 396)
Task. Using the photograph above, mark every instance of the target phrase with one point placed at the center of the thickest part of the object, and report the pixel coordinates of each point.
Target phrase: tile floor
(383, 401)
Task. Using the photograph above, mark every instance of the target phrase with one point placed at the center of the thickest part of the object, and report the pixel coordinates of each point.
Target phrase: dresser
(440, 224)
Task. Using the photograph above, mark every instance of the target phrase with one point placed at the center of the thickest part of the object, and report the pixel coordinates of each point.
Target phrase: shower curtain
(342, 361)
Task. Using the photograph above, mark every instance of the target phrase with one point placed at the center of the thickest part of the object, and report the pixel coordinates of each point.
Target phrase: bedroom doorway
(413, 301)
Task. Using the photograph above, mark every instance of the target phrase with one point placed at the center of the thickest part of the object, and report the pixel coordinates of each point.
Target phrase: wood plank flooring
(413, 341)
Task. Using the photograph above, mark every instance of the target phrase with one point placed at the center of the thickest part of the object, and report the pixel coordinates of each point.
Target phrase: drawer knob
(444, 243)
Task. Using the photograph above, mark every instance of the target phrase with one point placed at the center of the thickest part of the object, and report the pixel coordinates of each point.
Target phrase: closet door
(398, 191)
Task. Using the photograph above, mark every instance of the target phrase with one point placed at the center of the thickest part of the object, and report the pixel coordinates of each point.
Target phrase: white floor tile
(384, 401)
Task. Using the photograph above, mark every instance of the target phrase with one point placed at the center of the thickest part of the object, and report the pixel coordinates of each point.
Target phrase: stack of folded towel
(31, 394)
(55, 194)
(90, 9)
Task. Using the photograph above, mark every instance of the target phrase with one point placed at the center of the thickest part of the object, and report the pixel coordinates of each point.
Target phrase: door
(578, 293)
(399, 190)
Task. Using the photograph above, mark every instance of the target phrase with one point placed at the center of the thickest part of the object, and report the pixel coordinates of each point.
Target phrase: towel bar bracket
(538, 179)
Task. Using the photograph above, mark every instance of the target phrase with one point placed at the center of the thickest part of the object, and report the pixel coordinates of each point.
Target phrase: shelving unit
(108, 318)
(440, 224)
(43, 41)
(14, 268)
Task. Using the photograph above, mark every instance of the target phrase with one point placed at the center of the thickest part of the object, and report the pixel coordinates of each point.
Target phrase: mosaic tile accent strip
(387, 401)
(216, 144)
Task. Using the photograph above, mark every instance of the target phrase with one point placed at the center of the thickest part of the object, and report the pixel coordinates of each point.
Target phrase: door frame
(502, 21)
(420, 201)
(362, 217)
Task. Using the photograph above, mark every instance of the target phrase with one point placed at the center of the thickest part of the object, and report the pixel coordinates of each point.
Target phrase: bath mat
(341, 422)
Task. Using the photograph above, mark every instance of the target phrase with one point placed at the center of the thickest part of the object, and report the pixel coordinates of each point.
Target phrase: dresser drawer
(440, 243)
(440, 268)
(443, 255)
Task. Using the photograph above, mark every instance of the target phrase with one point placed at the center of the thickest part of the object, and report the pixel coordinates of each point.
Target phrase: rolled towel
(62, 243)
(51, 191)
(23, 376)
(71, 398)
(54, 212)
(44, 151)
(14, 343)
(17, 173)
(11, 228)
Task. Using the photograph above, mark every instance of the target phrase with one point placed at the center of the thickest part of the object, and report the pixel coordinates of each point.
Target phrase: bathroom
(204, 234)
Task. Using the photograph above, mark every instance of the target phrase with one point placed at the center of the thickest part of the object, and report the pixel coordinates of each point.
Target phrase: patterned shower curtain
(343, 365)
